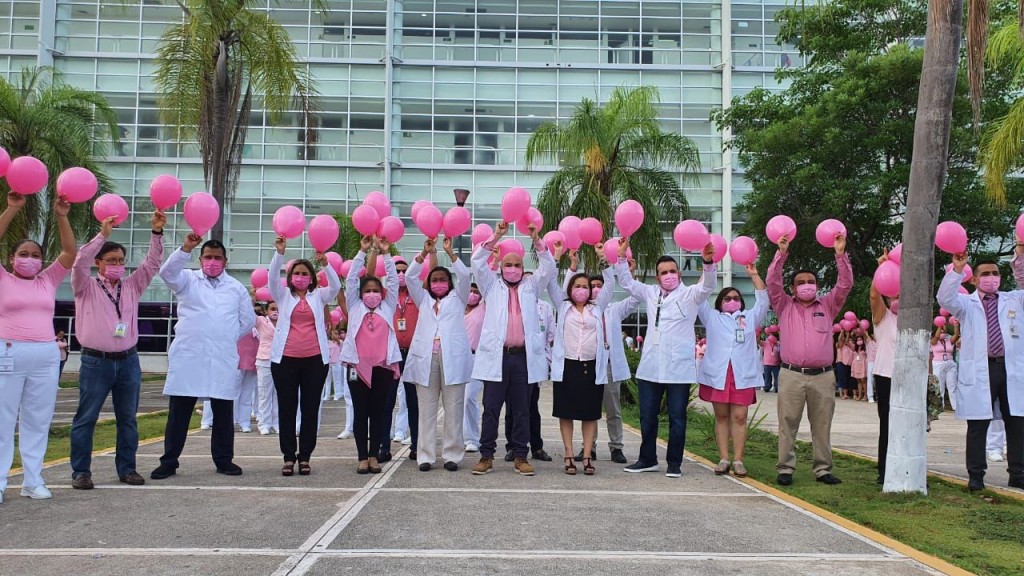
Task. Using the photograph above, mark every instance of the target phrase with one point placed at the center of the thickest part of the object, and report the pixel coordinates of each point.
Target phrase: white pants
(871, 381)
(31, 389)
(996, 441)
(453, 447)
(471, 417)
(400, 429)
(243, 406)
(266, 410)
(339, 375)
(946, 372)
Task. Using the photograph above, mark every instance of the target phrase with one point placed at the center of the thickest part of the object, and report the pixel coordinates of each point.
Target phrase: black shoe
(509, 457)
(880, 481)
(1016, 482)
(618, 457)
(229, 469)
(829, 479)
(976, 483)
(451, 466)
(384, 457)
(673, 471)
(412, 454)
(593, 455)
(541, 455)
(425, 467)
(162, 472)
(579, 457)
(784, 479)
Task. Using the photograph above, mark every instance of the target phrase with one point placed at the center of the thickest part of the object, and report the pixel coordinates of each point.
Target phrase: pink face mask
(113, 273)
(300, 282)
(595, 291)
(401, 279)
(580, 295)
(807, 292)
(512, 274)
(731, 306)
(213, 268)
(989, 284)
(474, 298)
(669, 282)
(27, 267)
(272, 316)
(372, 300)
(439, 289)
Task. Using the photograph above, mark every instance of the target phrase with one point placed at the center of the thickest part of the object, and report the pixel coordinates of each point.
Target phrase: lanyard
(657, 314)
(115, 301)
(403, 301)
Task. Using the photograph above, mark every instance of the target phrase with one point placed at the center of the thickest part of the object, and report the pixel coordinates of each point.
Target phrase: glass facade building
(417, 97)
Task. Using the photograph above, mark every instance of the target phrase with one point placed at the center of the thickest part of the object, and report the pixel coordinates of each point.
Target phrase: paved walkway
(405, 522)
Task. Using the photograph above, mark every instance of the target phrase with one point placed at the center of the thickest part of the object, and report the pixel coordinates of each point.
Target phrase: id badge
(400, 324)
(120, 330)
(740, 336)
(945, 357)
(654, 337)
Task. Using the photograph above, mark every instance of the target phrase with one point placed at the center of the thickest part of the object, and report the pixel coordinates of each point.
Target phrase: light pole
(461, 194)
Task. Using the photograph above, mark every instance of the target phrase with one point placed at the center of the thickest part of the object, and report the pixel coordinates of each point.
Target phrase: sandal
(363, 468)
(722, 468)
(304, 469)
(288, 469)
(570, 468)
(739, 469)
(588, 468)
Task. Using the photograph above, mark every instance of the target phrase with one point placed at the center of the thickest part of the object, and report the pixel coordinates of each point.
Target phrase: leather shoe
(784, 479)
(162, 472)
(509, 456)
(618, 457)
(1016, 482)
(451, 466)
(541, 455)
(229, 469)
(384, 457)
(83, 482)
(829, 479)
(976, 484)
(133, 479)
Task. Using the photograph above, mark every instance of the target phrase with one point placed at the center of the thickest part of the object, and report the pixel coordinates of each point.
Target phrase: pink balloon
(77, 185)
(743, 250)
(943, 312)
(430, 221)
(968, 272)
(848, 325)
(611, 250)
(424, 272)
(379, 202)
(827, 231)
(335, 316)
(1019, 226)
(321, 278)
(416, 206)
(391, 229)
(481, 233)
(629, 216)
(780, 226)
(533, 216)
(954, 321)
(201, 212)
(850, 315)
(334, 260)
(570, 228)
(259, 277)
(27, 175)
(5, 162)
(515, 204)
(457, 221)
(378, 268)
(939, 321)
(864, 324)
(887, 279)
(109, 205)
(591, 231)
(365, 220)
(323, 232)
(691, 235)
(289, 222)
(553, 237)
(344, 269)
(165, 191)
(951, 238)
(510, 246)
(962, 290)
(836, 328)
(721, 247)
(263, 294)
(896, 254)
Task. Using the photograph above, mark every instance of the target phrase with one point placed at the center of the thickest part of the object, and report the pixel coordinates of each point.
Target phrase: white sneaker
(38, 493)
(871, 400)
(246, 430)
(264, 431)
(472, 448)
(345, 435)
(397, 439)
(205, 427)
(1, 496)
(407, 441)
(337, 398)
(995, 456)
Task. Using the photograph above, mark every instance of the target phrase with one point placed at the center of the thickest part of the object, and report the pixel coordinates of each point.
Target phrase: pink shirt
(248, 345)
(885, 335)
(846, 355)
(302, 341)
(372, 344)
(580, 334)
(474, 324)
(515, 334)
(265, 330)
(943, 350)
(808, 330)
(26, 306)
(334, 348)
(770, 354)
(95, 315)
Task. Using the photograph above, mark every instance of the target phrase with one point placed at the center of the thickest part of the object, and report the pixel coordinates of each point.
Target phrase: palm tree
(212, 65)
(1003, 148)
(613, 153)
(63, 127)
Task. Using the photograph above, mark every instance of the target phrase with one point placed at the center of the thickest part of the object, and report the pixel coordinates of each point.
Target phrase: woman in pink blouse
(266, 396)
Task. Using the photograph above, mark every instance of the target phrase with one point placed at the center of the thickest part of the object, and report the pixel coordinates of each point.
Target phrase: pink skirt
(730, 395)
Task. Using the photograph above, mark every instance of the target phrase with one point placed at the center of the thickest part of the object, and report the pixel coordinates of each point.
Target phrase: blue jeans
(97, 378)
(771, 378)
(651, 394)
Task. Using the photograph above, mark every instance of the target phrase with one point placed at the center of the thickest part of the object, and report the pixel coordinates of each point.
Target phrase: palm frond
(1002, 150)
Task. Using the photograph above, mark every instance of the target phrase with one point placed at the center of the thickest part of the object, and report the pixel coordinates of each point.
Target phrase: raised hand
(500, 229)
(447, 244)
(840, 245)
(191, 241)
(158, 220)
(784, 243)
(383, 245)
(884, 257)
(709, 253)
(280, 243)
(623, 246)
(15, 201)
(959, 261)
(751, 270)
(534, 232)
(320, 258)
(429, 245)
(574, 259)
(107, 226)
(61, 207)
(365, 243)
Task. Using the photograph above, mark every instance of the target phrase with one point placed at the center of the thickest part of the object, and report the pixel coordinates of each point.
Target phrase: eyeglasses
(114, 262)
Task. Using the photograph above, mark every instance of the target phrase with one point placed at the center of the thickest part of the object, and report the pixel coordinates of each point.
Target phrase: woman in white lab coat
(732, 369)
(439, 359)
(371, 348)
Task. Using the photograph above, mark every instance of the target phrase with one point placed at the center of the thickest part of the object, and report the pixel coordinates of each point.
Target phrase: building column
(726, 65)
(47, 32)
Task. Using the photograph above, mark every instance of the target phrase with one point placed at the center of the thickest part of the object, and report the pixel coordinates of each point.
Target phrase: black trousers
(299, 380)
(222, 437)
(369, 404)
(412, 405)
(977, 430)
(536, 442)
(883, 391)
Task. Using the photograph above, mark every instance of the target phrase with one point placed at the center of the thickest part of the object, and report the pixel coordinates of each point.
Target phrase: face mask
(730, 306)
(894, 306)
(807, 292)
(113, 273)
(371, 299)
(272, 316)
(595, 291)
(213, 268)
(300, 282)
(27, 267)
(341, 336)
(474, 298)
(580, 295)
(401, 279)
(512, 274)
(860, 342)
(669, 282)
(989, 284)
(439, 289)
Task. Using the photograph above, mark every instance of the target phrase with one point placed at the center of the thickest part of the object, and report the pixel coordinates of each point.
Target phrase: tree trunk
(218, 168)
(907, 466)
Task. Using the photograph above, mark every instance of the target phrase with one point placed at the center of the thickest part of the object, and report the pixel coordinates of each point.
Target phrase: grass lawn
(150, 426)
(982, 533)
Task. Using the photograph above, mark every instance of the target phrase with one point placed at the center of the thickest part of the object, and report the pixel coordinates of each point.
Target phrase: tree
(1003, 149)
(210, 68)
(613, 153)
(63, 127)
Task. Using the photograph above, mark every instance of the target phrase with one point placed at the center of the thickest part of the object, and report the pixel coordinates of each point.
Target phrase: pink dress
(859, 368)
(730, 395)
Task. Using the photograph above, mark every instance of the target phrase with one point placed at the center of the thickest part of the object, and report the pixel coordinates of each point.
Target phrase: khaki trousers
(818, 393)
(452, 399)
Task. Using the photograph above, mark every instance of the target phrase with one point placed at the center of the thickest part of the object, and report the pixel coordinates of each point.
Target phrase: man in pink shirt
(770, 360)
(107, 327)
(805, 322)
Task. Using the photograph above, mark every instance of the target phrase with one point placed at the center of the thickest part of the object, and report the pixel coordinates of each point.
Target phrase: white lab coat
(357, 310)
(596, 309)
(973, 397)
(203, 358)
(668, 355)
(723, 348)
(448, 324)
(286, 303)
(494, 291)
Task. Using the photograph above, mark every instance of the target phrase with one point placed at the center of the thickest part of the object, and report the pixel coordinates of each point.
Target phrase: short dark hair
(447, 273)
(312, 273)
(572, 280)
(22, 242)
(109, 247)
(596, 277)
(473, 285)
(724, 292)
(792, 277)
(986, 261)
(214, 245)
(663, 259)
(368, 279)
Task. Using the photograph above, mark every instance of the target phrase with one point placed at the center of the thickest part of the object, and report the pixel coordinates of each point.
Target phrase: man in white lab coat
(214, 311)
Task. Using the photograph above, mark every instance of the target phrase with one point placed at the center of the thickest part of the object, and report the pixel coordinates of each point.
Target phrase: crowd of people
(466, 343)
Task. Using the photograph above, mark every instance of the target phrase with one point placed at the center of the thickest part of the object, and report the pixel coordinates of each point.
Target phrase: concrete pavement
(409, 522)
(151, 399)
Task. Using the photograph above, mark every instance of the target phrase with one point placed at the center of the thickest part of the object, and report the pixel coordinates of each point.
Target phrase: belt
(514, 349)
(109, 355)
(807, 371)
